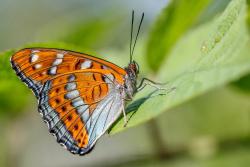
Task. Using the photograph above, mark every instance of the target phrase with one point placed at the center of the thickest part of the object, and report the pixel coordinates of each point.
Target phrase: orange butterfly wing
(78, 95)
(34, 66)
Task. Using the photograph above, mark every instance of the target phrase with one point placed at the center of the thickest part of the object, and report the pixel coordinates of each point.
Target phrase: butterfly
(79, 96)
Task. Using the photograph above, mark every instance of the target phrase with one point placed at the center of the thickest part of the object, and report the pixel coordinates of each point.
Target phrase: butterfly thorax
(130, 79)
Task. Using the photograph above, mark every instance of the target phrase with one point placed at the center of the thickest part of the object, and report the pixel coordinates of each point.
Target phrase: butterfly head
(131, 78)
(134, 66)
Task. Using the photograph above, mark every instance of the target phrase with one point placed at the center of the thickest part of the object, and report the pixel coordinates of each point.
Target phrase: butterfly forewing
(36, 65)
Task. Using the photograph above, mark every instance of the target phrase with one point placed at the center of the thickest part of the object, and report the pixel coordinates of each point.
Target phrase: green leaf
(214, 8)
(243, 83)
(210, 56)
(178, 17)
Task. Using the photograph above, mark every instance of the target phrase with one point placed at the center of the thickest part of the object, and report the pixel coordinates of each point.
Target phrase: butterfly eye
(137, 68)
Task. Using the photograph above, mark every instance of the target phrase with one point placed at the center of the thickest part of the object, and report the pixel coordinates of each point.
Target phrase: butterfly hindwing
(35, 66)
(79, 107)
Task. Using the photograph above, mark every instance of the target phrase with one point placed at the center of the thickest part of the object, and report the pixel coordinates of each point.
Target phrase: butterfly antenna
(137, 34)
(131, 36)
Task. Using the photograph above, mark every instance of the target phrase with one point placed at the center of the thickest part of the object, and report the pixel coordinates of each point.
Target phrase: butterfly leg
(125, 117)
(145, 81)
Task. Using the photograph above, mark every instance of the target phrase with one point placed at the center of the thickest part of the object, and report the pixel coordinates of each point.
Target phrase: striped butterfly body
(79, 95)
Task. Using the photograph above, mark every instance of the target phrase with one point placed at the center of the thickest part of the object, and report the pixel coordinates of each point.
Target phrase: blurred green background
(201, 47)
